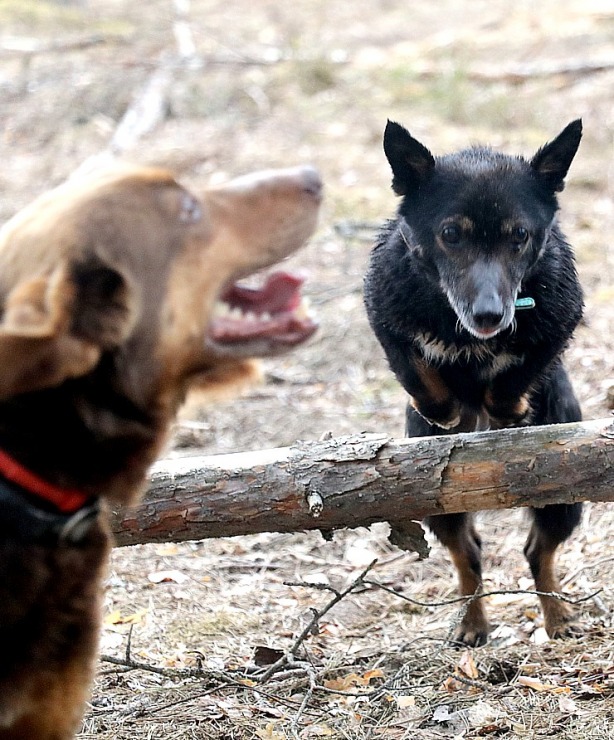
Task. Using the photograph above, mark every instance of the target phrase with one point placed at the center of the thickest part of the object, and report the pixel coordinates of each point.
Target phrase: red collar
(66, 500)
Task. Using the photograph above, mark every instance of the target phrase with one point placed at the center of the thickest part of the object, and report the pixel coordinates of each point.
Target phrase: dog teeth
(223, 310)
(303, 309)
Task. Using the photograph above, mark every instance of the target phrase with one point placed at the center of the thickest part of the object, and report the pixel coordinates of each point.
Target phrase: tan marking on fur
(437, 390)
(557, 614)
(474, 621)
(464, 222)
(518, 410)
(435, 351)
(508, 225)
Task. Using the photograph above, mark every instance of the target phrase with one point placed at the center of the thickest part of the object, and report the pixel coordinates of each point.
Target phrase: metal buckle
(79, 524)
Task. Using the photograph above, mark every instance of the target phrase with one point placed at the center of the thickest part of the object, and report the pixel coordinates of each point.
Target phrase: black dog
(476, 239)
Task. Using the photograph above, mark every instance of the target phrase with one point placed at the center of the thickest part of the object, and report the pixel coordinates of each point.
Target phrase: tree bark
(357, 480)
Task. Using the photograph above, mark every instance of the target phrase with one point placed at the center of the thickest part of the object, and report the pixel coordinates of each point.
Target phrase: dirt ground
(238, 86)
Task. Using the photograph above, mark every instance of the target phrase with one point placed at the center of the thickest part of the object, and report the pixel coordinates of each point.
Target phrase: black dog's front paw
(506, 412)
(446, 415)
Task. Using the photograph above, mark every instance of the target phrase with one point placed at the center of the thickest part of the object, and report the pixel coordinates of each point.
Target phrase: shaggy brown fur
(107, 295)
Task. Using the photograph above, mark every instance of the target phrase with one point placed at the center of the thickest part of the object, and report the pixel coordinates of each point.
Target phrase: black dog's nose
(488, 311)
(488, 319)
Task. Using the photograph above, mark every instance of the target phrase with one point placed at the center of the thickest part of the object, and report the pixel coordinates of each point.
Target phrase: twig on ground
(587, 566)
(313, 684)
(289, 656)
(136, 665)
(482, 595)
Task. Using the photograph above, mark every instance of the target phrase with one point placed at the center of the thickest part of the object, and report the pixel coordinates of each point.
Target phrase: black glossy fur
(476, 230)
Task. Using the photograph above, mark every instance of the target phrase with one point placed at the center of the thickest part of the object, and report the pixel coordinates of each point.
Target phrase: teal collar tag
(521, 303)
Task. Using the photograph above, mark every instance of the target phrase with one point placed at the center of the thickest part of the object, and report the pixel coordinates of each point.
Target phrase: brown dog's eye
(519, 235)
(451, 234)
(191, 211)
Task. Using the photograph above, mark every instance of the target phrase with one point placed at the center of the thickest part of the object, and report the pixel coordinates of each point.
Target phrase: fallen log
(357, 480)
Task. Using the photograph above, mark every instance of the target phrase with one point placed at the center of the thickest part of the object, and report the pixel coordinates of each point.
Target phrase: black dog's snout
(487, 311)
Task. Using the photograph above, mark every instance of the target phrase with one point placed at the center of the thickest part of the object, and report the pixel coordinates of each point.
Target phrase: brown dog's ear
(104, 309)
(55, 327)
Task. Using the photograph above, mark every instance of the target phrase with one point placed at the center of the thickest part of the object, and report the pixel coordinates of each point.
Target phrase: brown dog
(110, 295)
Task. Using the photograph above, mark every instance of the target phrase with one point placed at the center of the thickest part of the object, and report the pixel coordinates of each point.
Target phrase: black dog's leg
(553, 524)
(458, 534)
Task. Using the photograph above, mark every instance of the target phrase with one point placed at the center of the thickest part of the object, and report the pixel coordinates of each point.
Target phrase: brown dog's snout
(312, 181)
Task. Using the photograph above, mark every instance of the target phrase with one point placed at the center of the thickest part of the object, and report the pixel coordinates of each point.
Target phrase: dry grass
(279, 83)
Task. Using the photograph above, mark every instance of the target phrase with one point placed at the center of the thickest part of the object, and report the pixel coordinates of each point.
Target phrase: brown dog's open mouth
(261, 321)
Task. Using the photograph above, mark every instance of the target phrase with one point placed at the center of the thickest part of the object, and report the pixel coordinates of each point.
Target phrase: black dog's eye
(451, 234)
(520, 235)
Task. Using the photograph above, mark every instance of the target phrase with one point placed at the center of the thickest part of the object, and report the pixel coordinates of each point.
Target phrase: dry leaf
(269, 733)
(369, 675)
(116, 617)
(344, 683)
(442, 713)
(567, 705)
(167, 576)
(265, 655)
(540, 636)
(405, 701)
(466, 665)
(534, 683)
(316, 731)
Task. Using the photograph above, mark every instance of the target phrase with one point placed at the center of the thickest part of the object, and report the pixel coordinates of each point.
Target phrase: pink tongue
(280, 293)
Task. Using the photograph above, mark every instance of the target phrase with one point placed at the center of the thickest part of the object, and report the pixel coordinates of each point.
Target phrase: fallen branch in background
(519, 73)
(149, 104)
(25, 46)
(357, 480)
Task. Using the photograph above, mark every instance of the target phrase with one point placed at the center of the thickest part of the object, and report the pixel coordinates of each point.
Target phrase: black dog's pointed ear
(553, 160)
(410, 160)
